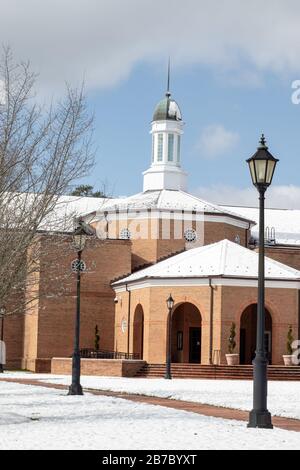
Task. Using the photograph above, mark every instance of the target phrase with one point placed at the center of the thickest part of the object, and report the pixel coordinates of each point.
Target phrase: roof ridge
(224, 247)
(217, 207)
(159, 199)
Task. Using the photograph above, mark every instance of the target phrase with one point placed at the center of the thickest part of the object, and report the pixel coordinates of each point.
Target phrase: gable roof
(66, 210)
(222, 259)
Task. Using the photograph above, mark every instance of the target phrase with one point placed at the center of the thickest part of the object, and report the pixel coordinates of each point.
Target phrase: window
(170, 147)
(153, 147)
(160, 147)
(125, 234)
(178, 148)
(190, 235)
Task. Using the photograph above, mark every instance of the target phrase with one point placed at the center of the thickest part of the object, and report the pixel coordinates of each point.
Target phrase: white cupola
(166, 129)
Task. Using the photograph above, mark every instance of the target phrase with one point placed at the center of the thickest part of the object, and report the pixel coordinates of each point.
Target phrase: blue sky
(123, 115)
(233, 64)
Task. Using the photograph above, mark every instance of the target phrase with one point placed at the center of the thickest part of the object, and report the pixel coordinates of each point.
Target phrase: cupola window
(178, 148)
(153, 147)
(160, 144)
(170, 147)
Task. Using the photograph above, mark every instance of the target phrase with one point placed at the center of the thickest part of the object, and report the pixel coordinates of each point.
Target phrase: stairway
(197, 371)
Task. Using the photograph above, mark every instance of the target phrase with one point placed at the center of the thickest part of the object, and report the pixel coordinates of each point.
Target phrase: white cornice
(194, 282)
(167, 214)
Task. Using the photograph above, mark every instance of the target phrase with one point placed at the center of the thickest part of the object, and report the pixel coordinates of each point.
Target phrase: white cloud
(215, 140)
(104, 39)
(280, 197)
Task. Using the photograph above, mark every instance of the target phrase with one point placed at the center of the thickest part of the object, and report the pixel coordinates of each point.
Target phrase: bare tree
(43, 150)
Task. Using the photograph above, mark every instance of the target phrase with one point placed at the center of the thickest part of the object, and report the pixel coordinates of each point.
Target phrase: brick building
(159, 241)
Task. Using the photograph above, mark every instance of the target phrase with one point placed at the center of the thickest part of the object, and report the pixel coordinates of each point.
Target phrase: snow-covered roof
(222, 259)
(286, 223)
(67, 208)
(166, 200)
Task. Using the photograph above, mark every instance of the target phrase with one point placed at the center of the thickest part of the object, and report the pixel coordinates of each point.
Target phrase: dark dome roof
(167, 109)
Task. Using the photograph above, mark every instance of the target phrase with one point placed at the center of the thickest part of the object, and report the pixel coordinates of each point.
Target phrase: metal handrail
(88, 353)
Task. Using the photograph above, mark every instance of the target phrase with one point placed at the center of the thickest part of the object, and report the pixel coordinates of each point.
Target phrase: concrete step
(195, 371)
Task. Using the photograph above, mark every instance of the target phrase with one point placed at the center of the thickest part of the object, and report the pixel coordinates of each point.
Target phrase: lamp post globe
(170, 305)
(79, 239)
(262, 167)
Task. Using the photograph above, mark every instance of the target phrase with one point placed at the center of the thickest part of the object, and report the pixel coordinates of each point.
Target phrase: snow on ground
(33, 417)
(283, 396)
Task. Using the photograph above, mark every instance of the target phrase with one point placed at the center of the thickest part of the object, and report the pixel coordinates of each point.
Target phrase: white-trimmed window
(170, 147)
(153, 147)
(125, 234)
(160, 146)
(190, 235)
(178, 148)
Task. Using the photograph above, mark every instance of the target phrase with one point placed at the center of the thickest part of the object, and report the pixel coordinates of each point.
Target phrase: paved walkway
(206, 410)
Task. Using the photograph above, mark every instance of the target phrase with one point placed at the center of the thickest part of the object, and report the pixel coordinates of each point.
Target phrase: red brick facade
(138, 322)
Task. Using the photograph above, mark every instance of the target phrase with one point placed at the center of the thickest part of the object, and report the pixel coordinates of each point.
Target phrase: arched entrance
(186, 334)
(138, 332)
(248, 334)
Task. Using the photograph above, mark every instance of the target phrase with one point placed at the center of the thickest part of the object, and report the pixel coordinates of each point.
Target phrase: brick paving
(288, 424)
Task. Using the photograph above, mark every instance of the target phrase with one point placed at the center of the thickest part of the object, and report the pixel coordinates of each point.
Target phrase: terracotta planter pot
(288, 360)
(232, 359)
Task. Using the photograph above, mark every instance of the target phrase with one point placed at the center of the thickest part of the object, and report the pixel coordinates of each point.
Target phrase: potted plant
(232, 358)
(97, 338)
(94, 353)
(288, 358)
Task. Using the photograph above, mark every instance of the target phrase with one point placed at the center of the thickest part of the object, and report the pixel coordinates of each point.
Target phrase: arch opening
(248, 329)
(186, 334)
(138, 333)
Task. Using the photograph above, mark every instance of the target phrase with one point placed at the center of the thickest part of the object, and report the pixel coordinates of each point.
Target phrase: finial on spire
(168, 94)
(263, 142)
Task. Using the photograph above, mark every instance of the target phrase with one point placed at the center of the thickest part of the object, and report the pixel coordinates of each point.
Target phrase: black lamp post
(170, 305)
(79, 241)
(2, 314)
(262, 166)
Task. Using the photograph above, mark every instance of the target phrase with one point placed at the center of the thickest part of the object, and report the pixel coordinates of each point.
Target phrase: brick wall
(289, 256)
(228, 306)
(49, 322)
(101, 367)
(282, 305)
(215, 232)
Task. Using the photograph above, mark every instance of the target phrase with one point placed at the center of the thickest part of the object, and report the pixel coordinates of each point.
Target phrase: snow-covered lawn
(33, 417)
(284, 397)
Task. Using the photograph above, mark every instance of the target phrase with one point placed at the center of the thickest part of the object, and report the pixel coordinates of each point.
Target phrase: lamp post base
(260, 419)
(168, 377)
(1, 369)
(75, 389)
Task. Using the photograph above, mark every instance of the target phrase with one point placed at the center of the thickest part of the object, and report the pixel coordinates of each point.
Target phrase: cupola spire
(166, 129)
(168, 93)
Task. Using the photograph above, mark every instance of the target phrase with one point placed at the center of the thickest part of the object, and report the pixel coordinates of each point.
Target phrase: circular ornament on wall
(125, 234)
(190, 235)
